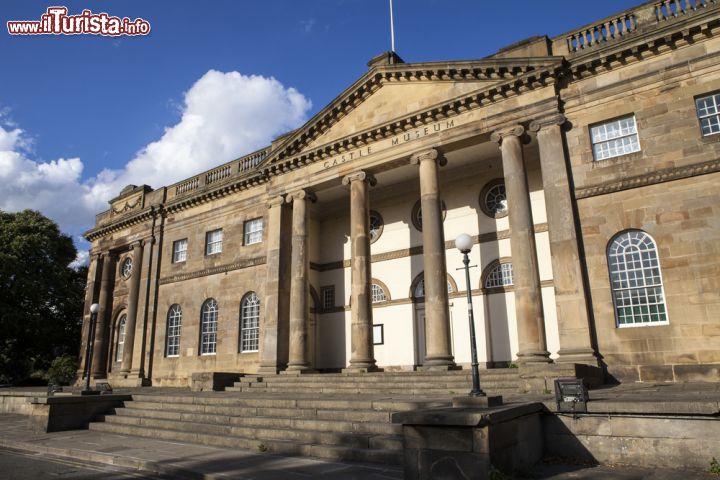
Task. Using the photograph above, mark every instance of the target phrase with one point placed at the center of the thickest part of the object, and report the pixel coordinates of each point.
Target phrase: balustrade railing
(668, 9)
(610, 29)
(218, 174)
(251, 161)
(187, 186)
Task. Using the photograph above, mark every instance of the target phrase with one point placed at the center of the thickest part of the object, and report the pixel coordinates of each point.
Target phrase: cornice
(213, 270)
(137, 218)
(659, 176)
(220, 191)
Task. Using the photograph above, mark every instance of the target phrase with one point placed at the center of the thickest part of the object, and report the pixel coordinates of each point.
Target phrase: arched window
(499, 274)
(174, 325)
(418, 291)
(250, 323)
(493, 199)
(120, 345)
(208, 330)
(636, 281)
(377, 293)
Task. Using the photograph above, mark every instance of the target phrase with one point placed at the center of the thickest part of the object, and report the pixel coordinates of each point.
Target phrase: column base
(297, 370)
(534, 356)
(439, 364)
(585, 356)
(361, 369)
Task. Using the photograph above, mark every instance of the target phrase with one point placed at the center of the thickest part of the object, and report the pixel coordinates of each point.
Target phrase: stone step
(399, 385)
(281, 447)
(206, 403)
(376, 378)
(302, 422)
(348, 439)
(507, 388)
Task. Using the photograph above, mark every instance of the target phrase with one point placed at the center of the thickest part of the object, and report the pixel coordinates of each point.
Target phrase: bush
(62, 370)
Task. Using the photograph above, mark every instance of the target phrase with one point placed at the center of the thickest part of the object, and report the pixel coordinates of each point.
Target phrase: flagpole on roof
(392, 28)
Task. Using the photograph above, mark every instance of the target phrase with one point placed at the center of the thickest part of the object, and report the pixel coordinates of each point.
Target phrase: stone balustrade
(669, 9)
(610, 29)
(249, 162)
(187, 186)
(218, 174)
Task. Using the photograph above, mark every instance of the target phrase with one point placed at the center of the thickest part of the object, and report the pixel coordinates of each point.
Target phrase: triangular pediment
(390, 92)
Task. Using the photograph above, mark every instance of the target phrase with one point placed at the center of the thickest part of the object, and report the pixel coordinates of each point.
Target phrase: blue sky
(198, 91)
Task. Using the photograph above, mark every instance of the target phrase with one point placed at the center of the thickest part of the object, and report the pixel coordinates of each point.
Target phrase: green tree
(41, 297)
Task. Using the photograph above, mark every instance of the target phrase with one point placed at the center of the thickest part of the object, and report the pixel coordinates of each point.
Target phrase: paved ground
(22, 465)
(64, 454)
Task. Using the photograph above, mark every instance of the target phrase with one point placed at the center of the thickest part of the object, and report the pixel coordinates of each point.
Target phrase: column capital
(429, 154)
(554, 119)
(360, 176)
(276, 201)
(301, 194)
(513, 131)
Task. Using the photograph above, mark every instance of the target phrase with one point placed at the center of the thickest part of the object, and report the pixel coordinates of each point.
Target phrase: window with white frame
(250, 323)
(328, 296)
(126, 268)
(174, 325)
(614, 138)
(420, 288)
(208, 330)
(708, 111)
(179, 250)
(253, 231)
(501, 275)
(213, 242)
(636, 281)
(377, 293)
(120, 345)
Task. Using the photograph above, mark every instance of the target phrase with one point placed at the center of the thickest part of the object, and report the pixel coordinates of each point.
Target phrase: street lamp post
(89, 351)
(464, 243)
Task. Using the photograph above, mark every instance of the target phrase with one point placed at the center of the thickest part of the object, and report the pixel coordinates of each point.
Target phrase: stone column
(362, 358)
(572, 307)
(276, 301)
(100, 348)
(132, 308)
(437, 314)
(299, 267)
(526, 279)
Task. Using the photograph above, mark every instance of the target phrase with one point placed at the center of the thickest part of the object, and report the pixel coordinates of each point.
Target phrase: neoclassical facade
(584, 166)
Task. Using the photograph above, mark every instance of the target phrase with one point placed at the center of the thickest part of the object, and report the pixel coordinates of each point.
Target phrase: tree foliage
(41, 297)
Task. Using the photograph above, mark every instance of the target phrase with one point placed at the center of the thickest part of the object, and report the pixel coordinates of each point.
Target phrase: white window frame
(253, 231)
(179, 253)
(500, 276)
(636, 277)
(213, 242)
(250, 323)
(208, 327)
(377, 293)
(614, 138)
(173, 332)
(120, 344)
(708, 114)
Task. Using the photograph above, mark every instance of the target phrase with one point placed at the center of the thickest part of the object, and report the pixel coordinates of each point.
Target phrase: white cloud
(224, 116)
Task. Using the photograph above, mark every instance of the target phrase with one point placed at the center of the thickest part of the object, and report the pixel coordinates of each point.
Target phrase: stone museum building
(586, 168)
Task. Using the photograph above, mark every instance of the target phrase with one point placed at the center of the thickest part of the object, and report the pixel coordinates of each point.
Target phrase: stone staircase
(343, 417)
(454, 382)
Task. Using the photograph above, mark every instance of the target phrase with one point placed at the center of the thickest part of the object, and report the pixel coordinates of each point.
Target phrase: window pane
(500, 276)
(250, 323)
(636, 280)
(173, 331)
(253, 231)
(615, 138)
(180, 250)
(214, 242)
(377, 293)
(208, 333)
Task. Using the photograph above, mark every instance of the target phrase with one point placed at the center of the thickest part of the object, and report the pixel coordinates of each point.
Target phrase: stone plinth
(464, 442)
(57, 414)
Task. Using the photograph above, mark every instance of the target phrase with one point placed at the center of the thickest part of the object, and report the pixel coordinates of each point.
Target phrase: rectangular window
(179, 250)
(614, 138)
(253, 231)
(378, 334)
(213, 242)
(708, 111)
(328, 297)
